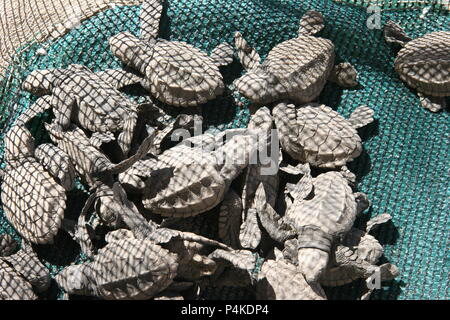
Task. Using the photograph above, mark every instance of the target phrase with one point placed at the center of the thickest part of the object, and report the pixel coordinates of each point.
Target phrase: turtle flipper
(81, 234)
(64, 104)
(129, 214)
(119, 78)
(243, 260)
(130, 50)
(311, 23)
(361, 117)
(42, 82)
(393, 33)
(98, 138)
(42, 104)
(150, 16)
(304, 186)
(230, 219)
(247, 55)
(433, 104)
(145, 146)
(250, 233)
(274, 224)
(382, 218)
(126, 136)
(222, 55)
(57, 163)
(345, 75)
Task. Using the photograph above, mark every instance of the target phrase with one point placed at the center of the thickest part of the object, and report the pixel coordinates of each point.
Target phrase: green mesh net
(400, 4)
(403, 169)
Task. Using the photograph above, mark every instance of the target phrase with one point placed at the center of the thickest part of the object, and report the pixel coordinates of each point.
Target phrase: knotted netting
(403, 169)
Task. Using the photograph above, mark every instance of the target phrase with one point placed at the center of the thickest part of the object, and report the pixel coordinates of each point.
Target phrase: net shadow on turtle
(64, 249)
(134, 90)
(161, 178)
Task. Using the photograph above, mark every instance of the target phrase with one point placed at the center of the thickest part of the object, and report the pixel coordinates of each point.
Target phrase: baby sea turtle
(125, 269)
(273, 279)
(191, 249)
(94, 166)
(356, 257)
(175, 72)
(133, 179)
(33, 201)
(318, 135)
(321, 220)
(264, 170)
(57, 163)
(197, 181)
(22, 274)
(81, 96)
(296, 69)
(323, 211)
(423, 63)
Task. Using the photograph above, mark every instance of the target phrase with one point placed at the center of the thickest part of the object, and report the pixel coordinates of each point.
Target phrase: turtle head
(73, 280)
(54, 130)
(393, 33)
(369, 249)
(258, 86)
(236, 154)
(130, 50)
(311, 23)
(40, 82)
(18, 143)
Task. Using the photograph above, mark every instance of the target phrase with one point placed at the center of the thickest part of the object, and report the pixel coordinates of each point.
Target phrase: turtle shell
(316, 134)
(30, 268)
(301, 66)
(134, 177)
(183, 75)
(100, 107)
(332, 208)
(340, 275)
(185, 186)
(33, 202)
(132, 269)
(74, 142)
(424, 64)
(13, 286)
